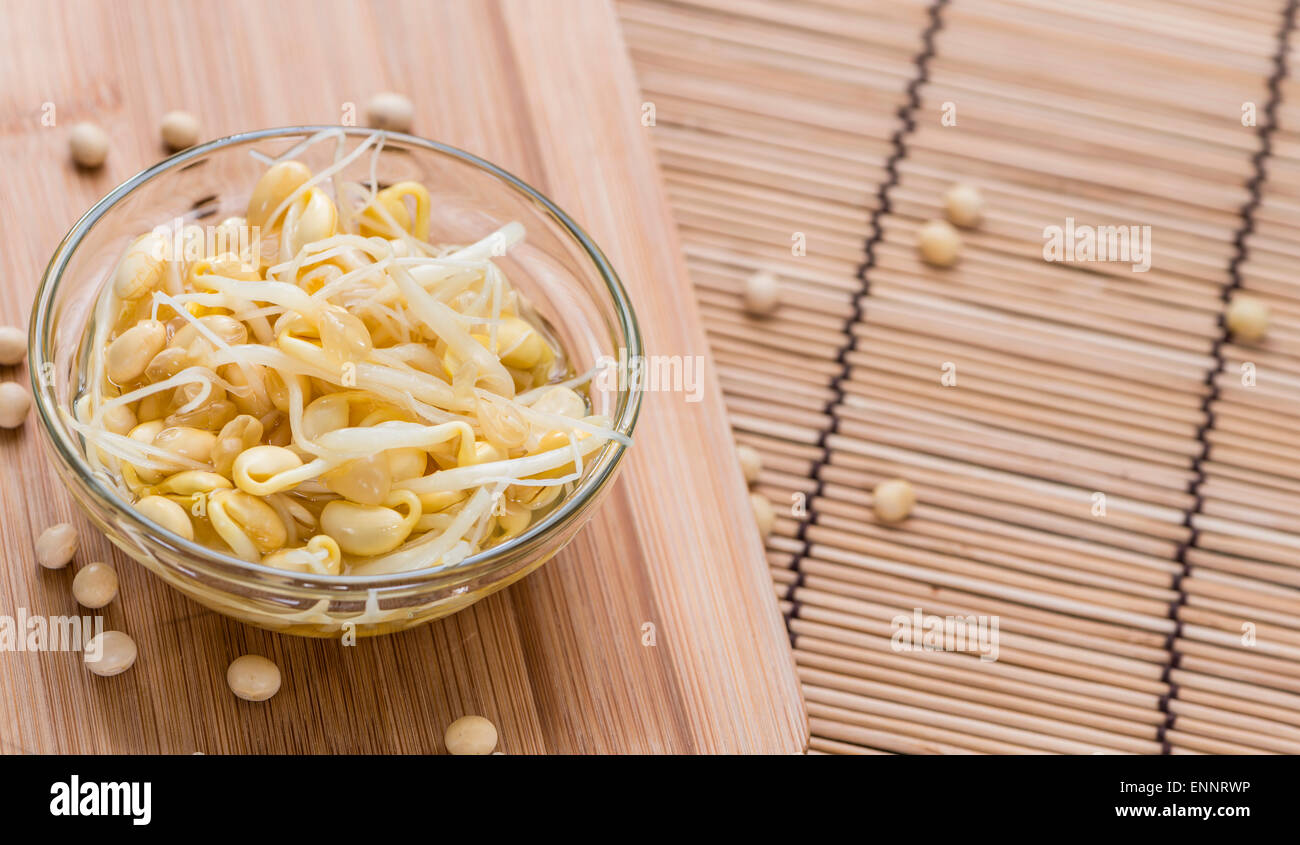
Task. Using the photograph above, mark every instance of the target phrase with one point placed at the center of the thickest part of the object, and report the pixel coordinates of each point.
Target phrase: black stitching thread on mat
(907, 124)
(1265, 130)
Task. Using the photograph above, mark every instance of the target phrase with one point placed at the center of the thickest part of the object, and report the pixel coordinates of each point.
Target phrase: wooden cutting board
(558, 662)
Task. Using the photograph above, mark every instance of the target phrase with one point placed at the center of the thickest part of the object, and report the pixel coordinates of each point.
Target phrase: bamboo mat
(655, 631)
(1122, 633)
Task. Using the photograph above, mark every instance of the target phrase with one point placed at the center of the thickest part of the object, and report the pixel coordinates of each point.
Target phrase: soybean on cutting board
(557, 661)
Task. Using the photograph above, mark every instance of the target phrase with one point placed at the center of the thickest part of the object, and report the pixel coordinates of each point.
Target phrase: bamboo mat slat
(655, 630)
(1121, 633)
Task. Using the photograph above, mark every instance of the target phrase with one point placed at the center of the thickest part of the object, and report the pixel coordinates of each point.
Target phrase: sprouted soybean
(353, 397)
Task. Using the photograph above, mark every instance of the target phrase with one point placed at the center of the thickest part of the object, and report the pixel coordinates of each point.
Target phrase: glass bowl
(558, 267)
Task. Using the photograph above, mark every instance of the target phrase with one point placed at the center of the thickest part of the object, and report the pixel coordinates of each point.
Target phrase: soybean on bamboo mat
(1172, 623)
(556, 661)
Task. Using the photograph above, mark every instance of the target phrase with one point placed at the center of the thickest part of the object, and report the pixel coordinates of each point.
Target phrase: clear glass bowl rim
(222, 565)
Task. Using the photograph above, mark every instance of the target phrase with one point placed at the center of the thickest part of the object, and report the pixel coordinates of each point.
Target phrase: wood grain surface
(546, 90)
